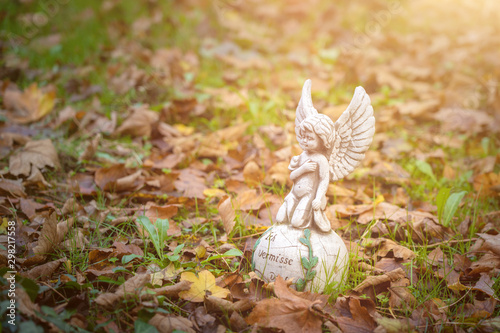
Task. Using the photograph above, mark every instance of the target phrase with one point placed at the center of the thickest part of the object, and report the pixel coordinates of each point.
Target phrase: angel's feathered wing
(353, 135)
(304, 109)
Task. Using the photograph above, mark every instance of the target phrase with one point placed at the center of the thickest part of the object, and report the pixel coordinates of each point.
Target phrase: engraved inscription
(276, 258)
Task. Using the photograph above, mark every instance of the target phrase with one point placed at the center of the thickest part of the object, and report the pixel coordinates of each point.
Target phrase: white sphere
(278, 252)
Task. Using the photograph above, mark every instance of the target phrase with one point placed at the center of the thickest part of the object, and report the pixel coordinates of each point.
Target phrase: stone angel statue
(330, 152)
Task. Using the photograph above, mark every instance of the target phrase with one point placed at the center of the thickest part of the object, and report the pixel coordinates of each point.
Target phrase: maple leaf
(292, 311)
(203, 284)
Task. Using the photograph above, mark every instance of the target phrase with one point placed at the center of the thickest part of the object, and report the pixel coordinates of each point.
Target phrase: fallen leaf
(12, 188)
(139, 123)
(291, 312)
(387, 245)
(485, 284)
(252, 174)
(372, 281)
(45, 270)
(167, 273)
(30, 105)
(36, 155)
(359, 321)
(90, 149)
(400, 296)
(49, 237)
(227, 214)
(131, 288)
(25, 305)
(203, 285)
(167, 291)
(191, 183)
(170, 323)
(491, 242)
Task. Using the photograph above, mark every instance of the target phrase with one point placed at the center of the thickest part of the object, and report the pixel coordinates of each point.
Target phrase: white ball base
(278, 252)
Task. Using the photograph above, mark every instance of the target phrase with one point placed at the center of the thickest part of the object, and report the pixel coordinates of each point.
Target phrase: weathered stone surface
(279, 252)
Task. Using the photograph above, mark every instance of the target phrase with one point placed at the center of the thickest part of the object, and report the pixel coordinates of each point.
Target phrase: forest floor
(145, 148)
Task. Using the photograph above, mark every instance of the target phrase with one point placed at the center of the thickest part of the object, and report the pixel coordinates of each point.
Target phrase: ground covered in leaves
(145, 144)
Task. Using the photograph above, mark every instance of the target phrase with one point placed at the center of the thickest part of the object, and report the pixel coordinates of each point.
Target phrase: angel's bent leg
(286, 208)
(301, 215)
(281, 217)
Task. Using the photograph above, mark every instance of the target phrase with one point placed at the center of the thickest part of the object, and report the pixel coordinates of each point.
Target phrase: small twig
(448, 242)
(447, 306)
(48, 285)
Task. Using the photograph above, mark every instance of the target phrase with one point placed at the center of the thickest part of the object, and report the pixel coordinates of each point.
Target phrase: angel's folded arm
(324, 179)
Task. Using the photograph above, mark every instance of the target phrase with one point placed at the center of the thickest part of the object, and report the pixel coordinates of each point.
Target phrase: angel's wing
(305, 107)
(353, 135)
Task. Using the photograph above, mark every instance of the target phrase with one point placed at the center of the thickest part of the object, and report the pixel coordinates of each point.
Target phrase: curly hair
(321, 125)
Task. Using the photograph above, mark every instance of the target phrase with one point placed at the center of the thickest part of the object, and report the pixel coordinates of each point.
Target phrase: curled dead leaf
(45, 270)
(227, 214)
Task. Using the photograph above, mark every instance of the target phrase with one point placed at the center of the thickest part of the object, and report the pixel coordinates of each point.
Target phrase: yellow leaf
(200, 251)
(214, 192)
(203, 284)
(3, 226)
(165, 274)
(380, 198)
(185, 130)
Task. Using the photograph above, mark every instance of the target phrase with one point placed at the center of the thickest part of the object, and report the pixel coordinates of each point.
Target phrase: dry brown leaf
(170, 323)
(12, 188)
(360, 320)
(45, 270)
(24, 303)
(131, 288)
(487, 185)
(386, 245)
(106, 178)
(253, 174)
(486, 263)
(222, 305)
(491, 242)
(485, 284)
(139, 123)
(227, 214)
(372, 281)
(250, 200)
(154, 212)
(168, 291)
(30, 105)
(36, 155)
(191, 183)
(279, 174)
(49, 237)
(90, 149)
(292, 312)
(401, 297)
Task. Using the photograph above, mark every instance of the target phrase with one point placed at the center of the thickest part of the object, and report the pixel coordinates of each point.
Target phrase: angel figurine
(330, 152)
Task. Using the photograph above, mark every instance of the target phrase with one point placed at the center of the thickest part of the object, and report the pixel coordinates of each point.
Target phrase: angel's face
(310, 141)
